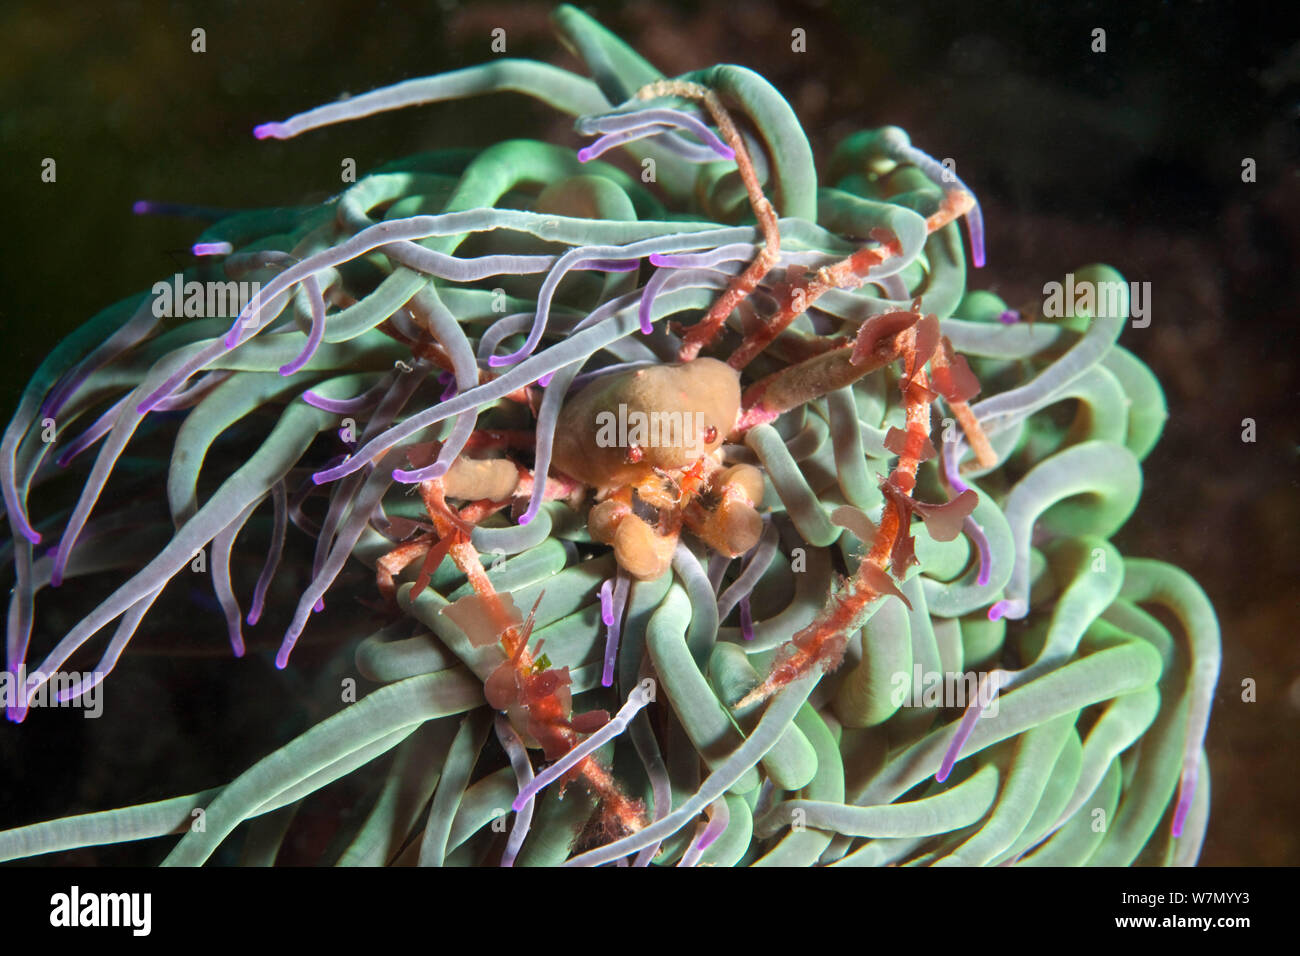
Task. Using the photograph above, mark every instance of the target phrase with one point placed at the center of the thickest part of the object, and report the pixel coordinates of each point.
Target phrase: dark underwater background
(1132, 157)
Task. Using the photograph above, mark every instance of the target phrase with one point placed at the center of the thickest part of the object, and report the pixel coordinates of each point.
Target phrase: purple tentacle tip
(607, 602)
(1180, 818)
(1009, 317)
(1186, 791)
(291, 639)
(327, 475)
(270, 131)
(449, 381)
(612, 602)
(975, 229)
(16, 713)
(998, 610)
(427, 473)
(212, 248)
(981, 542)
(546, 379)
(988, 691)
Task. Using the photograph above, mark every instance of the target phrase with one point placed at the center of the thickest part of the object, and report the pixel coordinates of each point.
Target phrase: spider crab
(640, 495)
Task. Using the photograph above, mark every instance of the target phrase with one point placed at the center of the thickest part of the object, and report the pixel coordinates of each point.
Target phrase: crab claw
(640, 551)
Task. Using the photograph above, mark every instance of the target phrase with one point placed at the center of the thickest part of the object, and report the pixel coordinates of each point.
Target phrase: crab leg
(796, 296)
(823, 641)
(876, 345)
(706, 330)
(514, 640)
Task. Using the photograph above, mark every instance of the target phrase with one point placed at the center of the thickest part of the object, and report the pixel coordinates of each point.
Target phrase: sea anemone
(798, 672)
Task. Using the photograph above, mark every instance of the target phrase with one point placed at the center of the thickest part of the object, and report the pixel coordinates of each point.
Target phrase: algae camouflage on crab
(634, 446)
